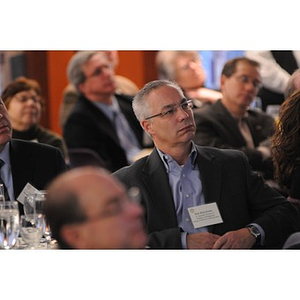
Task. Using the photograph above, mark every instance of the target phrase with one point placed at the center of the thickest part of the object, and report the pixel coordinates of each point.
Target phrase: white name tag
(205, 215)
(27, 190)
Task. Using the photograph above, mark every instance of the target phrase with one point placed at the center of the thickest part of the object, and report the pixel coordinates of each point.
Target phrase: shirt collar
(109, 110)
(168, 160)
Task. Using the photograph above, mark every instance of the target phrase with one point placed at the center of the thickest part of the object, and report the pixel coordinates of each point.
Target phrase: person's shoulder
(124, 98)
(225, 154)
(137, 166)
(32, 147)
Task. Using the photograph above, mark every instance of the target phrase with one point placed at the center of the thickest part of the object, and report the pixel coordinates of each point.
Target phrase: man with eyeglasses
(101, 120)
(231, 123)
(199, 197)
(88, 209)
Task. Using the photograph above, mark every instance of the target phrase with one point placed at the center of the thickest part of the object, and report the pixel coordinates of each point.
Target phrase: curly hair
(285, 143)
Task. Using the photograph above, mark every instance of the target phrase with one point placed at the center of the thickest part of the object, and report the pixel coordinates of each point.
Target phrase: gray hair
(74, 69)
(140, 104)
(291, 87)
(165, 62)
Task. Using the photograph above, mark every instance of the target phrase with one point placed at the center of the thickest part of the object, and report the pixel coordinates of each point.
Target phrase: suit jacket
(88, 127)
(216, 127)
(35, 163)
(227, 179)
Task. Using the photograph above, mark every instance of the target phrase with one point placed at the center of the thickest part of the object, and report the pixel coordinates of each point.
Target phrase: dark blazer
(227, 179)
(216, 127)
(88, 127)
(35, 163)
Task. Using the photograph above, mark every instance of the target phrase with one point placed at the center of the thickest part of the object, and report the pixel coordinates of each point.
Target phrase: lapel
(155, 179)
(22, 165)
(211, 175)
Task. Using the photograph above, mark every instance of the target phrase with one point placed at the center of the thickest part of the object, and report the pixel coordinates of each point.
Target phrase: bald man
(88, 209)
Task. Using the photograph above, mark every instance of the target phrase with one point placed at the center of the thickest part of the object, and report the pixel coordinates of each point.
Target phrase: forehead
(95, 61)
(165, 93)
(244, 67)
(95, 191)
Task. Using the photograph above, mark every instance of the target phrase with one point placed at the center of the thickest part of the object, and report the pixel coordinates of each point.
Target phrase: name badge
(27, 190)
(205, 215)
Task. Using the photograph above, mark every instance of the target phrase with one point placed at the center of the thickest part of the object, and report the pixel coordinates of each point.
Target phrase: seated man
(231, 124)
(101, 120)
(25, 162)
(87, 209)
(200, 197)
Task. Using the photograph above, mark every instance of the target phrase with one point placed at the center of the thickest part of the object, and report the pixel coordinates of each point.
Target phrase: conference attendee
(101, 120)
(25, 164)
(230, 123)
(88, 209)
(24, 103)
(285, 147)
(200, 197)
(185, 67)
(123, 86)
(276, 69)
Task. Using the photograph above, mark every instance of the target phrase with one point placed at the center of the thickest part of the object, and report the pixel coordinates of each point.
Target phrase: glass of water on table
(9, 224)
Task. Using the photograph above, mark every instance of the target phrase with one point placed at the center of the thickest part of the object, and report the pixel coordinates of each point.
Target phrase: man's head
(89, 209)
(164, 113)
(240, 83)
(184, 67)
(92, 74)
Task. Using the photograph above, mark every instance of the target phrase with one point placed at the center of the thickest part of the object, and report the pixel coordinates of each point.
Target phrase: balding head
(87, 208)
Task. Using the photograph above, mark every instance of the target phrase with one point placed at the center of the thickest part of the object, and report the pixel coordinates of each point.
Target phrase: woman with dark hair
(286, 147)
(23, 100)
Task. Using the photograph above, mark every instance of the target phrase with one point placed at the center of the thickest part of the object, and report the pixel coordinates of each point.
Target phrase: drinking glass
(29, 207)
(9, 224)
(32, 230)
(39, 201)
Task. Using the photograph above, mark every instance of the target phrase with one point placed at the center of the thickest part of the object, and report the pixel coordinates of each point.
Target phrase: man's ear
(147, 126)
(72, 235)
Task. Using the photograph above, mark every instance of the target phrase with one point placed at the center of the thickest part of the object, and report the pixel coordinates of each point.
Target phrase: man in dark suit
(199, 197)
(224, 123)
(26, 162)
(101, 120)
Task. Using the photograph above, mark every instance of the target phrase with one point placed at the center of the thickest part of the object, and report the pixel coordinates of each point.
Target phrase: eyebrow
(172, 105)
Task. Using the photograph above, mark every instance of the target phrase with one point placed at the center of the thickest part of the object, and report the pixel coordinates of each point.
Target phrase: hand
(201, 240)
(238, 239)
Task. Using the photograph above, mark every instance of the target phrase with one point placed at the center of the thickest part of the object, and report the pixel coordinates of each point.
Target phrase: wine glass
(39, 201)
(32, 230)
(9, 224)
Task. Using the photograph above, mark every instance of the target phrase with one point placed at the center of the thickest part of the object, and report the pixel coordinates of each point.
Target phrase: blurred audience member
(276, 69)
(200, 197)
(23, 100)
(186, 69)
(24, 162)
(230, 123)
(293, 84)
(123, 86)
(88, 209)
(101, 120)
(286, 147)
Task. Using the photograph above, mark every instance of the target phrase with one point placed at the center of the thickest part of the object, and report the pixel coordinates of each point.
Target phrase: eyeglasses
(99, 71)
(24, 99)
(245, 79)
(185, 105)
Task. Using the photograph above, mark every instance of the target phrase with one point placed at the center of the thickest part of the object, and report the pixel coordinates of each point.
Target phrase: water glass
(32, 230)
(9, 224)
